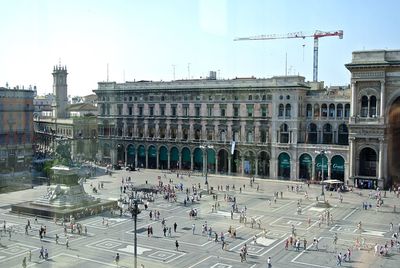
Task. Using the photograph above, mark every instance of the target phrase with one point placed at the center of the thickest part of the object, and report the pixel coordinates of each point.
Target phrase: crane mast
(316, 35)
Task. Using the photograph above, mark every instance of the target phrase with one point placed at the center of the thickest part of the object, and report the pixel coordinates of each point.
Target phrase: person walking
(269, 262)
(67, 243)
(41, 256)
(117, 259)
(177, 245)
(24, 262)
(339, 259)
(175, 226)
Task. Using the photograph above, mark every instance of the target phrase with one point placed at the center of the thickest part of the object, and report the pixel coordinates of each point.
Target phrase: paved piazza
(109, 234)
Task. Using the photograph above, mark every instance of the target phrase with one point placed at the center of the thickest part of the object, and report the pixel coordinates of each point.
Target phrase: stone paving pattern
(101, 244)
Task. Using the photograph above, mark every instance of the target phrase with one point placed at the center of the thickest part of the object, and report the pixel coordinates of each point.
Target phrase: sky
(155, 39)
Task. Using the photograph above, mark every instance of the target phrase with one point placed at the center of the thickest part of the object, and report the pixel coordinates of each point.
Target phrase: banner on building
(233, 147)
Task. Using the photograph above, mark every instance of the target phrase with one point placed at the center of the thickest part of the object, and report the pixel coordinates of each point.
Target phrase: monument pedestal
(67, 198)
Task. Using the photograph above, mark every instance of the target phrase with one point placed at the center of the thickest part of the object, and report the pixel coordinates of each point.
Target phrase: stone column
(329, 168)
(353, 100)
(229, 163)
(313, 169)
(242, 164)
(256, 166)
(157, 156)
(381, 160)
(383, 101)
(351, 159)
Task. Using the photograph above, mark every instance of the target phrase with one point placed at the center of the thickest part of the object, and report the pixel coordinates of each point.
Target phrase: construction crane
(316, 36)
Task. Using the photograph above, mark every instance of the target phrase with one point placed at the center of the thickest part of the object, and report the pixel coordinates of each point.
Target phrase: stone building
(75, 124)
(16, 130)
(375, 118)
(281, 127)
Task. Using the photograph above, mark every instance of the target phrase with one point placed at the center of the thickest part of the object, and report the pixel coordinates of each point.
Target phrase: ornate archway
(305, 167)
(284, 166)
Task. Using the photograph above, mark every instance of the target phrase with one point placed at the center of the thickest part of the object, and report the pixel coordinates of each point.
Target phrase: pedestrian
(269, 262)
(117, 259)
(348, 254)
(30, 255)
(46, 254)
(56, 239)
(41, 256)
(305, 244)
(177, 245)
(169, 231)
(175, 226)
(67, 243)
(339, 259)
(24, 262)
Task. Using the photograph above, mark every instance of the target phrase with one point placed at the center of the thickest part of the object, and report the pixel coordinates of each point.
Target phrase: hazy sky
(142, 40)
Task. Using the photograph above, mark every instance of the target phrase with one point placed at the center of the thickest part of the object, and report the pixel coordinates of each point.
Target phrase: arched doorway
(337, 168)
(249, 163)
(141, 157)
(368, 161)
(321, 164)
(198, 159)
(236, 162)
(163, 158)
(305, 170)
(186, 161)
(222, 161)
(120, 154)
(394, 144)
(130, 159)
(211, 160)
(263, 164)
(152, 157)
(174, 158)
(284, 166)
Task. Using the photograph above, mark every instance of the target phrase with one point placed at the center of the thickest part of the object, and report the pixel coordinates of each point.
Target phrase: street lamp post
(135, 212)
(206, 147)
(322, 153)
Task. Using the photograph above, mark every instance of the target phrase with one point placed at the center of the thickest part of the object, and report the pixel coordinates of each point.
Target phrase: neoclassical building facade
(281, 127)
(375, 118)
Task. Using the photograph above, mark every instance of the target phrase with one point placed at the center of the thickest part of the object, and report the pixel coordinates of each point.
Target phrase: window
(264, 111)
(236, 98)
(281, 97)
(210, 110)
(249, 136)
(309, 111)
(235, 111)
(331, 110)
(119, 109)
(173, 110)
(324, 110)
(372, 106)
(316, 110)
(210, 97)
(284, 134)
(281, 110)
(327, 134)
(140, 110)
(364, 106)
(288, 97)
(130, 110)
(223, 112)
(263, 136)
(250, 110)
(288, 111)
(185, 110)
(162, 98)
(162, 110)
(197, 111)
(250, 97)
(339, 110)
(130, 98)
(347, 110)
(151, 98)
(264, 97)
(151, 110)
(198, 98)
(312, 135)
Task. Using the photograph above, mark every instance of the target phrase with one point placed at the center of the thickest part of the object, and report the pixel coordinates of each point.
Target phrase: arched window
(331, 110)
(263, 135)
(372, 106)
(327, 134)
(364, 106)
(250, 136)
(347, 111)
(281, 110)
(312, 136)
(339, 110)
(309, 111)
(288, 111)
(284, 134)
(222, 135)
(316, 110)
(343, 135)
(324, 110)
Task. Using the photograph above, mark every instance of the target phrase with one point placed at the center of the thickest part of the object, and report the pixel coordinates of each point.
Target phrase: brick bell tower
(60, 89)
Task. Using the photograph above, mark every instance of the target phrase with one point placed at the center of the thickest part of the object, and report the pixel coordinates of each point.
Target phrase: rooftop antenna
(173, 71)
(286, 65)
(107, 72)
